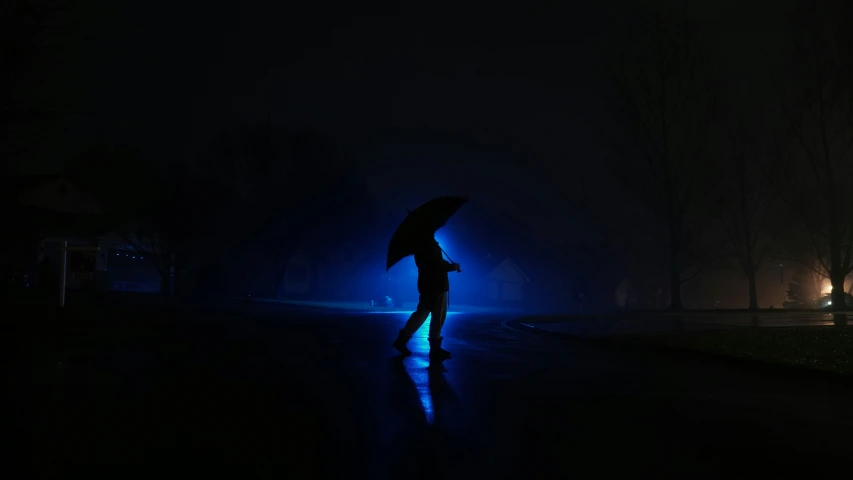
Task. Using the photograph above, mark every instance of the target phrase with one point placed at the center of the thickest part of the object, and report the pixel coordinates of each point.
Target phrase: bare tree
(163, 209)
(814, 166)
(745, 206)
(667, 107)
(164, 224)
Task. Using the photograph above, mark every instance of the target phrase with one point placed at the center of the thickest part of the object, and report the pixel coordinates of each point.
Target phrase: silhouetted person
(433, 285)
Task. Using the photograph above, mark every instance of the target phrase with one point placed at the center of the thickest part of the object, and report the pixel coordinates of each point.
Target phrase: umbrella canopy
(420, 224)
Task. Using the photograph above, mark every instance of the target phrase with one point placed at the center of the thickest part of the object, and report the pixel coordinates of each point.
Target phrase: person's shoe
(435, 350)
(400, 344)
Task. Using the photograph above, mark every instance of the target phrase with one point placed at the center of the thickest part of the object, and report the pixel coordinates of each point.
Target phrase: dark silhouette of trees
(163, 209)
(814, 165)
(260, 187)
(745, 206)
(666, 112)
(165, 224)
(301, 190)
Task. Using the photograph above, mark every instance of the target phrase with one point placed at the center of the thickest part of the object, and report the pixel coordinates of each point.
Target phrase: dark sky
(501, 103)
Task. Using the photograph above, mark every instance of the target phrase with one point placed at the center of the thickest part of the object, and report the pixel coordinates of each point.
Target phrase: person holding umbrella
(415, 236)
(433, 286)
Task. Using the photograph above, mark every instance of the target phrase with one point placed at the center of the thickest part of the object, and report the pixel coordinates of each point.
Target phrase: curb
(623, 343)
(766, 367)
(517, 325)
(555, 318)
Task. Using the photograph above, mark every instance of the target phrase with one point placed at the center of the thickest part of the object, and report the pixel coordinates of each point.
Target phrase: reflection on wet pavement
(206, 395)
(428, 379)
(417, 370)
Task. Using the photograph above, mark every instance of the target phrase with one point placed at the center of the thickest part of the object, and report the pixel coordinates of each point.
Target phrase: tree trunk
(675, 294)
(753, 290)
(166, 284)
(166, 278)
(839, 300)
(836, 273)
(674, 271)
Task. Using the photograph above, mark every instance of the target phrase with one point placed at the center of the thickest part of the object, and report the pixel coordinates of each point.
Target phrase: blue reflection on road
(419, 369)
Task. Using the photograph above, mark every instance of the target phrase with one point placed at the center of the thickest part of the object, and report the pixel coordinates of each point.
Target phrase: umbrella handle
(446, 255)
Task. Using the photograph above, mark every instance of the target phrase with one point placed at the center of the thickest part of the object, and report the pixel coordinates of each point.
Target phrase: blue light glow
(134, 256)
(417, 370)
(362, 284)
(406, 313)
(441, 238)
(420, 377)
(428, 379)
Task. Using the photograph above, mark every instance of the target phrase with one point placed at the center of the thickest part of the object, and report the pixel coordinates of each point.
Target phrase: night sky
(432, 98)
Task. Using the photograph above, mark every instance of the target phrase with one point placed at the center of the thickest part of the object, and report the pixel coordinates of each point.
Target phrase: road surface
(320, 395)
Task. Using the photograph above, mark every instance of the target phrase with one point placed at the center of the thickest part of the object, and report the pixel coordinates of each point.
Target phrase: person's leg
(414, 322)
(443, 312)
(439, 314)
(418, 317)
(438, 310)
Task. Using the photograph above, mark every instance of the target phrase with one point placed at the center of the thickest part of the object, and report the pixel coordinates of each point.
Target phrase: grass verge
(822, 348)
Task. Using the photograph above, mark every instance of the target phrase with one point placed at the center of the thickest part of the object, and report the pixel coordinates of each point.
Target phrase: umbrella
(422, 222)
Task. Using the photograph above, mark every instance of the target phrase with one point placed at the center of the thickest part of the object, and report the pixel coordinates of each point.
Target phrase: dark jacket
(432, 269)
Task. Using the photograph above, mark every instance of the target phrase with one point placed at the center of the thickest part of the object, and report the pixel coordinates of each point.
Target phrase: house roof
(508, 271)
(535, 265)
(24, 183)
(626, 286)
(52, 222)
(55, 193)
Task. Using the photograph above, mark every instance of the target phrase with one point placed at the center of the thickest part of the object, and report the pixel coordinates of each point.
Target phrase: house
(297, 276)
(46, 211)
(50, 210)
(506, 283)
(626, 296)
(55, 193)
(126, 269)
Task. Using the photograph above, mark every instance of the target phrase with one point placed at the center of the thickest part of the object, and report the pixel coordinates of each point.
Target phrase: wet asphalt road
(320, 395)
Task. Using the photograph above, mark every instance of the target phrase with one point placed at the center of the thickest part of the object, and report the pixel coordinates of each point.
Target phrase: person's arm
(443, 264)
(451, 267)
(438, 263)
